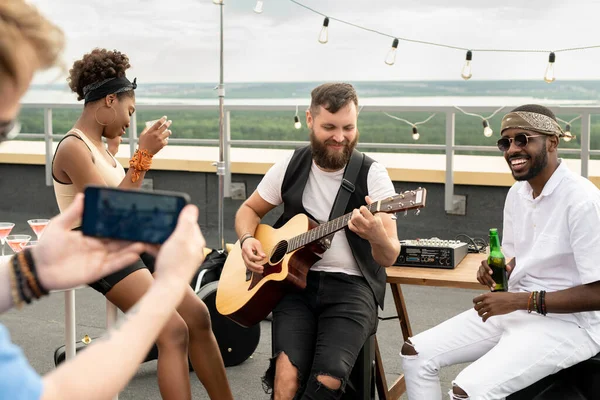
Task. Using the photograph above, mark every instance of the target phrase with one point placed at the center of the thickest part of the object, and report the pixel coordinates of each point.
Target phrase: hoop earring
(100, 123)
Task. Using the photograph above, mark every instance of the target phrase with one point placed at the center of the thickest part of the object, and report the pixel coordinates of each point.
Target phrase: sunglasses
(520, 139)
(9, 130)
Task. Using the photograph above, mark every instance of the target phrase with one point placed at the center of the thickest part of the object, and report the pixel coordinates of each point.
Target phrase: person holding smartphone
(82, 159)
(29, 42)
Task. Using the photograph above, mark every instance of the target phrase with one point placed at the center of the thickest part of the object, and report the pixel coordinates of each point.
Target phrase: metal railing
(449, 148)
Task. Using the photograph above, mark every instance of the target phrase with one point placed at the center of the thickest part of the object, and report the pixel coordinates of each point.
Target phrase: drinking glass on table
(5, 228)
(38, 226)
(16, 242)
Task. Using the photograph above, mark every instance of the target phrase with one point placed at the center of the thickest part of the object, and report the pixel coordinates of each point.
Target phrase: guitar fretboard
(321, 231)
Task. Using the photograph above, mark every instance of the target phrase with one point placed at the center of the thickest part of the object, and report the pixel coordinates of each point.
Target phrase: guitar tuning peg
(418, 211)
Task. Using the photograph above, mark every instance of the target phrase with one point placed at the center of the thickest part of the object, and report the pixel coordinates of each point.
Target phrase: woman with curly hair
(82, 159)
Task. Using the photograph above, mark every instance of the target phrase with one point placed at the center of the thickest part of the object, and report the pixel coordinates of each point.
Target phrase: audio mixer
(433, 252)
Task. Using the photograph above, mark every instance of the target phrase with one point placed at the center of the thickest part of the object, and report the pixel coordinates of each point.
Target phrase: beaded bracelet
(529, 303)
(31, 265)
(29, 276)
(17, 301)
(543, 301)
(23, 293)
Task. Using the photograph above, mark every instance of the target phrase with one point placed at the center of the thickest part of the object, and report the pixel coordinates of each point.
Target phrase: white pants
(508, 353)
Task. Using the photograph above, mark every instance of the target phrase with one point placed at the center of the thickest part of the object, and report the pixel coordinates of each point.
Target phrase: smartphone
(135, 215)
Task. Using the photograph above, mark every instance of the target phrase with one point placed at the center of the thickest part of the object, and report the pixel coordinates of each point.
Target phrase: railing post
(449, 188)
(48, 141)
(226, 154)
(132, 134)
(585, 143)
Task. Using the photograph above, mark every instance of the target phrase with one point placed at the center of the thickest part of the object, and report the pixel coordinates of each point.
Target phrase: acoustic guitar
(247, 298)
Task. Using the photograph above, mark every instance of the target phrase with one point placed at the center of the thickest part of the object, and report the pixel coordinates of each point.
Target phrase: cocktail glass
(38, 226)
(16, 242)
(5, 228)
(31, 243)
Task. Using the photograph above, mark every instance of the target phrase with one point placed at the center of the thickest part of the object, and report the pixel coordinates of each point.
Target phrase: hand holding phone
(156, 135)
(132, 215)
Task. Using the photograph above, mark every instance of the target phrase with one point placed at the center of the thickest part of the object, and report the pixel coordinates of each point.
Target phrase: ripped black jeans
(322, 330)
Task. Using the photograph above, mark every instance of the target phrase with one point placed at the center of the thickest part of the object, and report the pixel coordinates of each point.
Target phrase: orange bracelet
(529, 303)
(141, 161)
(28, 275)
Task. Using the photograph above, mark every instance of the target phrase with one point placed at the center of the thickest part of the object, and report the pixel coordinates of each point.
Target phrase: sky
(178, 40)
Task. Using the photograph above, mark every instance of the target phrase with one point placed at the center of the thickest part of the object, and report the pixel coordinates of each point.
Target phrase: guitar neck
(322, 230)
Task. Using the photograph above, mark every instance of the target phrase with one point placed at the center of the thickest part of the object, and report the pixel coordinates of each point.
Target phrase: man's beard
(538, 163)
(331, 159)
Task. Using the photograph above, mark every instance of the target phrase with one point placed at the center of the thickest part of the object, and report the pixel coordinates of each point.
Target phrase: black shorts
(104, 285)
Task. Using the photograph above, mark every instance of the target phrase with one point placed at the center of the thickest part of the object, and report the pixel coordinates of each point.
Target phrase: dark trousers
(322, 330)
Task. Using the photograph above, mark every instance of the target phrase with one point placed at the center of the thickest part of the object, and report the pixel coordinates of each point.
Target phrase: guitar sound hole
(278, 252)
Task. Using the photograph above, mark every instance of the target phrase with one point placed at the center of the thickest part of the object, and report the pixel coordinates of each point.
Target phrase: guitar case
(236, 342)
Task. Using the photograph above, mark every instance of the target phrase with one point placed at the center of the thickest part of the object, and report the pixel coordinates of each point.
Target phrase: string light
(415, 134)
(258, 8)
(297, 123)
(549, 75)
(567, 137)
(324, 34)
(466, 71)
(390, 59)
(415, 131)
(487, 130)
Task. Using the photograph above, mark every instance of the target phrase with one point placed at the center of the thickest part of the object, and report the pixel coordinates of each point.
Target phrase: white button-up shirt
(555, 239)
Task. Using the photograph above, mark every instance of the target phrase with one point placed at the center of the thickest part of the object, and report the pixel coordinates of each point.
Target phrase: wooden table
(464, 276)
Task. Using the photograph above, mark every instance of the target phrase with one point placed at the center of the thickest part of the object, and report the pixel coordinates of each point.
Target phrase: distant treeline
(374, 127)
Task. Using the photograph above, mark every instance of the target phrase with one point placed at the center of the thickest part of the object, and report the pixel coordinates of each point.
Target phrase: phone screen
(135, 215)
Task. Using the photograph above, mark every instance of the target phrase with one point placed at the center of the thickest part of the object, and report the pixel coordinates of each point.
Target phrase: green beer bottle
(497, 263)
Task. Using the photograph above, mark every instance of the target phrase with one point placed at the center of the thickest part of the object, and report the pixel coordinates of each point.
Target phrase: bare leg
(172, 370)
(286, 378)
(204, 350)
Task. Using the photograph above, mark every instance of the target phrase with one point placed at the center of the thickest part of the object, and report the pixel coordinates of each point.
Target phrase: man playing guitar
(319, 331)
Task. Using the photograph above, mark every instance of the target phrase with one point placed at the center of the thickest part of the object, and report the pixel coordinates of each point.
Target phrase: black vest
(292, 188)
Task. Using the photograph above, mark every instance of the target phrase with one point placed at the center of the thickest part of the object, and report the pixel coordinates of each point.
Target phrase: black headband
(97, 90)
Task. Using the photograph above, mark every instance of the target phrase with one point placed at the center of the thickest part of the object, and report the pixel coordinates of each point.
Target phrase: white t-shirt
(317, 199)
(555, 239)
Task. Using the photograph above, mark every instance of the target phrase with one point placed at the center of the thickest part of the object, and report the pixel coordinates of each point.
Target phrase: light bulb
(466, 71)
(258, 8)
(415, 134)
(390, 59)
(568, 136)
(217, 1)
(549, 76)
(324, 35)
(487, 131)
(297, 123)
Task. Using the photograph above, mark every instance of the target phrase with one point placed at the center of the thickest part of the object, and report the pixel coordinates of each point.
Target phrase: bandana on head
(531, 121)
(97, 90)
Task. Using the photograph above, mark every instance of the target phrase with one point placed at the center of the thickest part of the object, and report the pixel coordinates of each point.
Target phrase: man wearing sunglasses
(547, 321)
